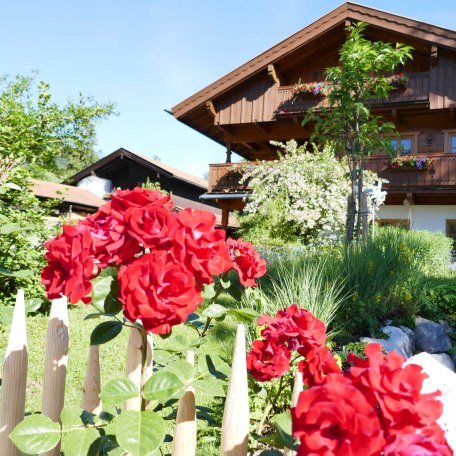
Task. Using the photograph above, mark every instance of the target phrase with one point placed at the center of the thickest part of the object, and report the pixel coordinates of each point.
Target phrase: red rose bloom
(152, 226)
(334, 419)
(70, 265)
(318, 364)
(266, 360)
(158, 291)
(395, 389)
(246, 261)
(111, 241)
(200, 246)
(417, 445)
(138, 197)
(295, 327)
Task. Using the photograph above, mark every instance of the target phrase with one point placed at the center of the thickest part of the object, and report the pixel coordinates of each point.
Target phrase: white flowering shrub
(299, 198)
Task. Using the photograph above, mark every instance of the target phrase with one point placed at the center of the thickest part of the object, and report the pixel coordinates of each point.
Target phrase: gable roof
(143, 160)
(346, 12)
(67, 193)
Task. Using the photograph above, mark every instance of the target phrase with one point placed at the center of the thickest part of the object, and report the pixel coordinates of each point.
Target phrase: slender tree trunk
(351, 205)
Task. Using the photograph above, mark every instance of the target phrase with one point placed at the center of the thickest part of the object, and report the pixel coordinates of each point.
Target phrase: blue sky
(147, 55)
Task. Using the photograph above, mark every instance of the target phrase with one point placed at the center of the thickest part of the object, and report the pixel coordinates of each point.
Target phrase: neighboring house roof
(145, 161)
(182, 203)
(67, 193)
(346, 12)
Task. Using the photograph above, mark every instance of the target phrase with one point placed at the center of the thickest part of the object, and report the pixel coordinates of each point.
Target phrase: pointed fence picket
(235, 425)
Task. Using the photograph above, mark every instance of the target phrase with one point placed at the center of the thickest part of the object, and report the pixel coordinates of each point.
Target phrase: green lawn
(112, 354)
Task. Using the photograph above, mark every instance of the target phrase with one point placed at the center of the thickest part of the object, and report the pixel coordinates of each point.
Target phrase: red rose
(334, 419)
(266, 360)
(200, 246)
(295, 327)
(417, 445)
(112, 243)
(247, 262)
(121, 200)
(318, 363)
(395, 390)
(158, 291)
(70, 265)
(152, 226)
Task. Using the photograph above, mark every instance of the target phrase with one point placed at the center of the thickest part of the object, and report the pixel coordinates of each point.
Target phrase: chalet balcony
(224, 178)
(417, 91)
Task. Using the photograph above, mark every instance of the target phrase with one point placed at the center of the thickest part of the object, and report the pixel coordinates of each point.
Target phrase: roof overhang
(346, 12)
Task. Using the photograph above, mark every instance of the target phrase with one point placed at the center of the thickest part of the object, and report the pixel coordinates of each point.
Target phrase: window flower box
(410, 163)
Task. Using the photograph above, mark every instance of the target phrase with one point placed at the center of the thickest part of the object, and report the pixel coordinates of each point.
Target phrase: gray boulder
(431, 336)
(397, 341)
(446, 327)
(445, 359)
(443, 379)
(410, 335)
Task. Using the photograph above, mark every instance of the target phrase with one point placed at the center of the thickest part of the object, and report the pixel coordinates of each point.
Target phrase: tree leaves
(163, 386)
(36, 434)
(105, 295)
(118, 391)
(105, 332)
(140, 433)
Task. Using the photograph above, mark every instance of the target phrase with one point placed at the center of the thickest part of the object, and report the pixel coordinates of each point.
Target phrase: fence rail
(235, 426)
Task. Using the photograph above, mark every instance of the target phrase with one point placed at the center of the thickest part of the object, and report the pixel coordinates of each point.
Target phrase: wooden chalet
(253, 105)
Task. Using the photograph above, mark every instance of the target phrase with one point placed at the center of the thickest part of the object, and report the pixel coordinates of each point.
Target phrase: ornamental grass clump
(373, 408)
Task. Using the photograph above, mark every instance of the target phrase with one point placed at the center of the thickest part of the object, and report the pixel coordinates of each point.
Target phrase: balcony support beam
(434, 55)
(274, 73)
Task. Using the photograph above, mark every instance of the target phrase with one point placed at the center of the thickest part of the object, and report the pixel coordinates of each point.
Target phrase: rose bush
(373, 408)
(164, 258)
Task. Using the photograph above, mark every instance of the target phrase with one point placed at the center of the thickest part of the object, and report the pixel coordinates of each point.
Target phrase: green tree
(38, 138)
(348, 122)
(43, 136)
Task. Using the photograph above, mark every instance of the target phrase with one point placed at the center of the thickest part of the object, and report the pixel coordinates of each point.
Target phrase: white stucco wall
(432, 218)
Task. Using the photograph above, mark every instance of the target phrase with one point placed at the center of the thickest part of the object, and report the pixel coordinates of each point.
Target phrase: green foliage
(439, 299)
(347, 123)
(299, 198)
(45, 138)
(23, 230)
(36, 434)
(384, 279)
(300, 281)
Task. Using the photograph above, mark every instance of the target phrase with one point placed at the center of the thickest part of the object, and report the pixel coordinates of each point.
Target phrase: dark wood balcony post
(225, 217)
(228, 153)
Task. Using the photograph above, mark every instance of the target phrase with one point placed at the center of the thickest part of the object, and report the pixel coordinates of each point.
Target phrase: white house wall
(432, 218)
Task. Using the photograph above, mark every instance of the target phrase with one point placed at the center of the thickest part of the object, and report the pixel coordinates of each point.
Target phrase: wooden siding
(260, 100)
(426, 33)
(222, 179)
(443, 81)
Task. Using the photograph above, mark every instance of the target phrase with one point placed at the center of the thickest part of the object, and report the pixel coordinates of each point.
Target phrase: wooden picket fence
(235, 424)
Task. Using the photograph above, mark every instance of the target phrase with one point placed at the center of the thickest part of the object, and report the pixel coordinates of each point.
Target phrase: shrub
(299, 198)
(22, 233)
(439, 299)
(388, 278)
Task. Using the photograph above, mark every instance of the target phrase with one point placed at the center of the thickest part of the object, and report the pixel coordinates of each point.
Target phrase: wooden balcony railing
(442, 175)
(224, 177)
(417, 90)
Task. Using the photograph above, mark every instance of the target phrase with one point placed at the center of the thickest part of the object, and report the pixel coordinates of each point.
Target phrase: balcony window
(453, 144)
(405, 145)
(450, 141)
